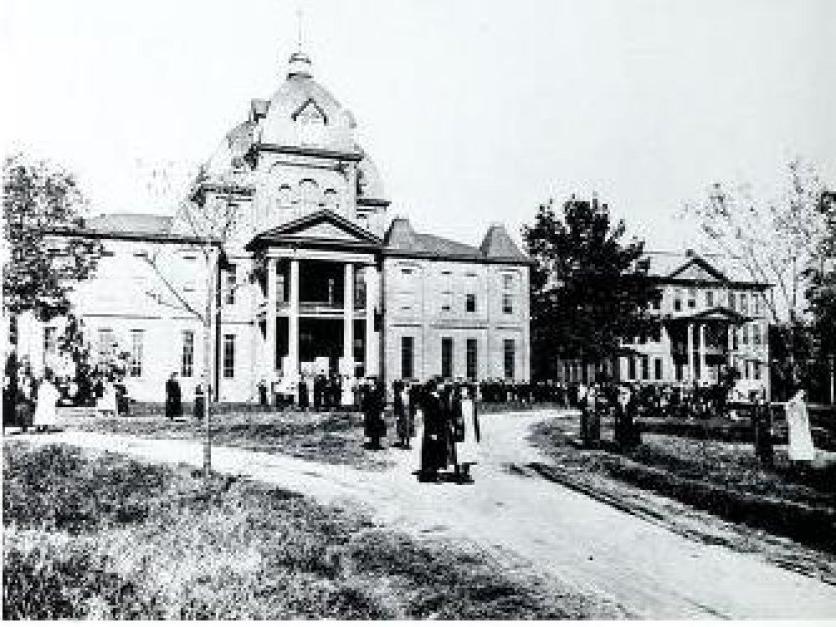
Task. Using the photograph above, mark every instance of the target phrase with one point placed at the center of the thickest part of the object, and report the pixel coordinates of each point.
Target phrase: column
(669, 366)
(730, 333)
(270, 321)
(703, 367)
(370, 276)
(348, 316)
(293, 322)
(690, 352)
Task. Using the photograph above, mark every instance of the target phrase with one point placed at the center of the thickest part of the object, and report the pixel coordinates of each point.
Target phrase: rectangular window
(709, 299)
(229, 356)
(631, 368)
(678, 372)
(447, 357)
(230, 284)
(510, 356)
(756, 368)
(472, 359)
(756, 304)
(677, 300)
(407, 352)
(745, 334)
(645, 368)
(187, 361)
(731, 301)
(507, 295)
(756, 335)
(744, 304)
(470, 303)
(137, 342)
(657, 369)
(107, 345)
(692, 297)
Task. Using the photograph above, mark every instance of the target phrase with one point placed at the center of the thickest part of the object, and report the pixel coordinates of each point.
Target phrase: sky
(474, 112)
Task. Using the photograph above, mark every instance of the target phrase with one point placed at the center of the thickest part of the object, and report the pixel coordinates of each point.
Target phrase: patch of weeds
(101, 536)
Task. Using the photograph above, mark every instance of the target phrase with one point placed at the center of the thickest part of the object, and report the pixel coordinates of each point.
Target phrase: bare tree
(776, 241)
(206, 214)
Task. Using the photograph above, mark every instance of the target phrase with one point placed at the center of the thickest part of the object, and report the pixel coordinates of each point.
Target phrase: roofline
(706, 283)
(309, 152)
(372, 241)
(130, 236)
(373, 202)
(397, 252)
(299, 242)
(231, 188)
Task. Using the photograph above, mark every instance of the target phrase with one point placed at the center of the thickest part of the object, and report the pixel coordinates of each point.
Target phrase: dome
(303, 113)
(234, 146)
(370, 183)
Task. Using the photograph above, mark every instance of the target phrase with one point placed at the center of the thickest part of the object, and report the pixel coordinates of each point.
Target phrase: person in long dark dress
(401, 419)
(303, 394)
(433, 441)
(374, 425)
(262, 393)
(173, 398)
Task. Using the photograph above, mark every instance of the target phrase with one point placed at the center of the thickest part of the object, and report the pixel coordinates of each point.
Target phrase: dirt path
(643, 568)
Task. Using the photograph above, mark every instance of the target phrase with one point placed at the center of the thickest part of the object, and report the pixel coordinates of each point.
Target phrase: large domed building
(318, 276)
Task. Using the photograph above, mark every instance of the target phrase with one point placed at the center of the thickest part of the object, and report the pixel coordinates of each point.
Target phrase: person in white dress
(107, 403)
(801, 448)
(467, 451)
(45, 416)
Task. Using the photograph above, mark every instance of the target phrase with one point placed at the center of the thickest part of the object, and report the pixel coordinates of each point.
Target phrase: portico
(704, 342)
(320, 294)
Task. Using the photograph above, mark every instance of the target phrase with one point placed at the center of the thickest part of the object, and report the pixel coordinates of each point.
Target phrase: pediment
(697, 269)
(323, 227)
(325, 230)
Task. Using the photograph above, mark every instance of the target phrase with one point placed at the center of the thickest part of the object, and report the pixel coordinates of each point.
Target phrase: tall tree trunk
(207, 374)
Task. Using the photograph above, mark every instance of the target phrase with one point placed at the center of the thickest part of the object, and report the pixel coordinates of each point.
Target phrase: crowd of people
(441, 415)
(32, 401)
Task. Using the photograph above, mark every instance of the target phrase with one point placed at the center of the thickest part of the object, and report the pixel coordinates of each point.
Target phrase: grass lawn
(723, 478)
(93, 535)
(334, 438)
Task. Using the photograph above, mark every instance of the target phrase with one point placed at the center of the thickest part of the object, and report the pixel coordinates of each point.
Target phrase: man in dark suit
(173, 402)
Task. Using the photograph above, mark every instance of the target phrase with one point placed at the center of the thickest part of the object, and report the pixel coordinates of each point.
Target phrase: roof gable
(320, 227)
(698, 269)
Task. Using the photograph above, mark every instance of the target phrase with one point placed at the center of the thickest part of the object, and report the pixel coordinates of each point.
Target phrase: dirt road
(647, 570)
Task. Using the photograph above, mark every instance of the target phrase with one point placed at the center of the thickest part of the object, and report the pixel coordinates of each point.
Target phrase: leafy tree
(39, 272)
(821, 293)
(588, 288)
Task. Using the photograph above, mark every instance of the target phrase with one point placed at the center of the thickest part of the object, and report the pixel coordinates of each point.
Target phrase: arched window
(308, 195)
(284, 197)
(310, 121)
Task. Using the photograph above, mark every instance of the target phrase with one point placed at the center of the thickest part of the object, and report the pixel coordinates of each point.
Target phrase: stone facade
(711, 317)
(313, 278)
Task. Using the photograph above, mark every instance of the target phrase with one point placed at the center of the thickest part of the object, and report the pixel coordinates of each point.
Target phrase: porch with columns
(708, 344)
(300, 303)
